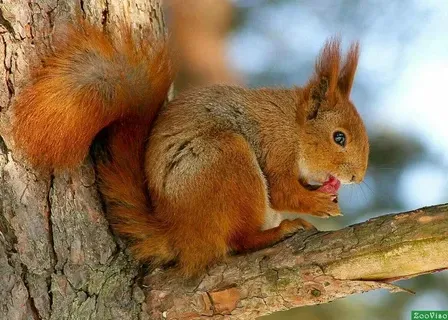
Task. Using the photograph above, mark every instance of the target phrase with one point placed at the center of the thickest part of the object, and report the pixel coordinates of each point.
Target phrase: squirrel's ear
(325, 81)
(348, 70)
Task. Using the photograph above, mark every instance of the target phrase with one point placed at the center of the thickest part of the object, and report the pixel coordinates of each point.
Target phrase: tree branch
(309, 268)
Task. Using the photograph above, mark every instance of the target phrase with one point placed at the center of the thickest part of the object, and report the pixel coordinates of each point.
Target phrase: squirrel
(206, 174)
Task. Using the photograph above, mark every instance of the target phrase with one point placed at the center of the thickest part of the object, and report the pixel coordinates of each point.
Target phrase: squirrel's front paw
(323, 205)
(291, 196)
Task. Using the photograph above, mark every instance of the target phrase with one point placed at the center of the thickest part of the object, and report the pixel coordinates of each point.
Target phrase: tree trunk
(59, 260)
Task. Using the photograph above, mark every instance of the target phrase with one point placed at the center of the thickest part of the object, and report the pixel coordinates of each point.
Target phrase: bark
(59, 260)
(309, 268)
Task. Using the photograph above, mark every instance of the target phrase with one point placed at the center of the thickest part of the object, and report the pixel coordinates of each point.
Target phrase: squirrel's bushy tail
(89, 82)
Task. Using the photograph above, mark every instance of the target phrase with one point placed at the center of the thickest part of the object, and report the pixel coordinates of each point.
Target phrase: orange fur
(85, 84)
(324, 107)
(328, 65)
(348, 70)
(203, 178)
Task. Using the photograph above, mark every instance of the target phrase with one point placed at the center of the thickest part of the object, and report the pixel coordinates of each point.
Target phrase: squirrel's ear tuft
(327, 66)
(348, 70)
(325, 81)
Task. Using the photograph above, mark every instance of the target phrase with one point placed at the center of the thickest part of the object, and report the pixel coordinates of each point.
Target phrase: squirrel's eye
(339, 138)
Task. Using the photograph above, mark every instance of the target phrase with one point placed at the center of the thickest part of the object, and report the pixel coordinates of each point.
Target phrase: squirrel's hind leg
(213, 193)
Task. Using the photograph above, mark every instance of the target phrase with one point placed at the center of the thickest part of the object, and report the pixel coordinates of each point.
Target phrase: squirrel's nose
(356, 179)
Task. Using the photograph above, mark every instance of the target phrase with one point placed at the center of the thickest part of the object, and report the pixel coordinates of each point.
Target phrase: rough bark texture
(309, 268)
(59, 260)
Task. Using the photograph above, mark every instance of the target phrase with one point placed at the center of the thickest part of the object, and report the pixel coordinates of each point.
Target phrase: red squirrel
(204, 175)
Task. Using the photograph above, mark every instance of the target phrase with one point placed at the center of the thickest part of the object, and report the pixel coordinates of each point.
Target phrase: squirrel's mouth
(331, 185)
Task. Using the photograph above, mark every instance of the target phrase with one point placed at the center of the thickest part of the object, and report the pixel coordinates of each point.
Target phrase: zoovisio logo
(429, 315)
